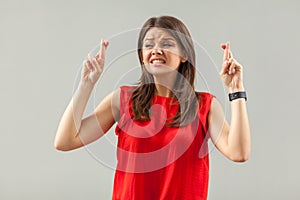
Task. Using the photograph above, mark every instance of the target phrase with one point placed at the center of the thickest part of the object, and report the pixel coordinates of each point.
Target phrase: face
(161, 52)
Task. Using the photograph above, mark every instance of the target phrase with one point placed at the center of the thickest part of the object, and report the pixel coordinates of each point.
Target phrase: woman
(163, 123)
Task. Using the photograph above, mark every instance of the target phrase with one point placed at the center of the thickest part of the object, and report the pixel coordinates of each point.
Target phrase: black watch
(237, 95)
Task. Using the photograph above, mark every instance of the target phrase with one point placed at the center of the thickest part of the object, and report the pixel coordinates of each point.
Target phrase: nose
(157, 51)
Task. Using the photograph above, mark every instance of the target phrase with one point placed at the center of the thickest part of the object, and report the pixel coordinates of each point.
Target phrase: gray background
(42, 44)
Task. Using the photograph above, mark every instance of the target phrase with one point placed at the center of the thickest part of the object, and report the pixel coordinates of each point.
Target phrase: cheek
(145, 54)
(174, 51)
(174, 57)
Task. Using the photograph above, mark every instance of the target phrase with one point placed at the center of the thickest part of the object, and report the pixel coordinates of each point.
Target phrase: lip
(157, 58)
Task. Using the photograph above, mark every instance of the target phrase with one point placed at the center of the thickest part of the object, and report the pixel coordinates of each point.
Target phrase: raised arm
(73, 131)
(233, 139)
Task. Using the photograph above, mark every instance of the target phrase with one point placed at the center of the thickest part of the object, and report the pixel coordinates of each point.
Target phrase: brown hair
(184, 84)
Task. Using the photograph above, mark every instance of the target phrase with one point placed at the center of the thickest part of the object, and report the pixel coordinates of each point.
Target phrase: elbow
(64, 141)
(240, 154)
(240, 157)
(60, 146)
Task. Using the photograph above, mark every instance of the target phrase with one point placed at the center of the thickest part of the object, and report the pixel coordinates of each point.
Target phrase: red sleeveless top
(158, 162)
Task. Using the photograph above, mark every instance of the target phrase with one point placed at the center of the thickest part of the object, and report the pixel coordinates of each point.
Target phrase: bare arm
(233, 139)
(73, 131)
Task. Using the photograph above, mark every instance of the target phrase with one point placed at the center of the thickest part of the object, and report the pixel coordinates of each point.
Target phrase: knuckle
(86, 62)
(100, 59)
(101, 62)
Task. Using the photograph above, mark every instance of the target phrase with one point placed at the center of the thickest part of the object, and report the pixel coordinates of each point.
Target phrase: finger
(101, 53)
(231, 69)
(226, 51)
(238, 67)
(230, 54)
(230, 64)
(234, 67)
(99, 64)
(93, 62)
(225, 67)
(84, 63)
(87, 68)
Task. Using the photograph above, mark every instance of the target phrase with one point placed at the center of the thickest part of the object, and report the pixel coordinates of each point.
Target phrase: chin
(159, 69)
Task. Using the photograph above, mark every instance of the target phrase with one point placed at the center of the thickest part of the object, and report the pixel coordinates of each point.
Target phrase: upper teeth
(157, 61)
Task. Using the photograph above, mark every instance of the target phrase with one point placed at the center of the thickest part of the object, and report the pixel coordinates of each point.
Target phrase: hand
(93, 67)
(232, 71)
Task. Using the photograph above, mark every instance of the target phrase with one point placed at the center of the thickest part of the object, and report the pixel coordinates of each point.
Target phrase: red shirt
(157, 162)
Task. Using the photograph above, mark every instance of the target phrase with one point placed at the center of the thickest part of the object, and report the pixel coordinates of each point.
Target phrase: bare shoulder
(109, 106)
(215, 107)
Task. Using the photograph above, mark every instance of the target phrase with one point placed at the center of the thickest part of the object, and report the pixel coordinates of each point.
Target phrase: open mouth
(157, 61)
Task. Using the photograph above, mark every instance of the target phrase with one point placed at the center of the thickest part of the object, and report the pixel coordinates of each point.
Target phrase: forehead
(157, 33)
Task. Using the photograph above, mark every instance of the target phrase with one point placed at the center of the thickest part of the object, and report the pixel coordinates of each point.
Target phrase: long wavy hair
(184, 85)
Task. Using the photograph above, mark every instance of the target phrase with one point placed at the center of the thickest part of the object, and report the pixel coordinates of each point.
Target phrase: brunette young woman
(163, 124)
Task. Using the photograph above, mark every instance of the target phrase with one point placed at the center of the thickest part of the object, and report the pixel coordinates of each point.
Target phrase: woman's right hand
(93, 66)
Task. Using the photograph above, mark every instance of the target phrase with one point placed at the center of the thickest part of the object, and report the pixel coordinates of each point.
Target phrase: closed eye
(167, 45)
(148, 45)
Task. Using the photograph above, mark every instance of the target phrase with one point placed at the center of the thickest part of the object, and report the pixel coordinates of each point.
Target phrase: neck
(163, 91)
(164, 84)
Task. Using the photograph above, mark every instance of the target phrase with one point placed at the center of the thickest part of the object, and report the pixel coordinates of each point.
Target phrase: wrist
(237, 95)
(236, 88)
(86, 85)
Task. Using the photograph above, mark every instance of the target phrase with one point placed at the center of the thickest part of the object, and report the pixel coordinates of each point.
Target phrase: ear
(183, 58)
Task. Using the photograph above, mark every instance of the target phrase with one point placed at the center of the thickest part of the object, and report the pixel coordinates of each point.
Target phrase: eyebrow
(146, 39)
(168, 39)
(149, 39)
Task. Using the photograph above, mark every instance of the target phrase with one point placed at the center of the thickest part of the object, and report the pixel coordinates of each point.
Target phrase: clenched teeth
(158, 61)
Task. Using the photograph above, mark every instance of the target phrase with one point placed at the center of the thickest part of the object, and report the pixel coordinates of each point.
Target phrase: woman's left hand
(232, 71)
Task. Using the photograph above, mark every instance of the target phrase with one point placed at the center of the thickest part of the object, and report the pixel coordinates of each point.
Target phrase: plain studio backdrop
(44, 42)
